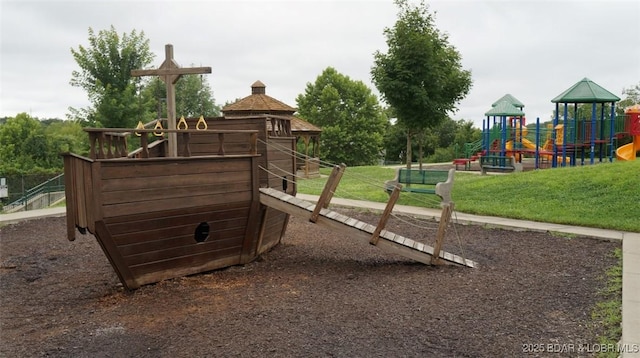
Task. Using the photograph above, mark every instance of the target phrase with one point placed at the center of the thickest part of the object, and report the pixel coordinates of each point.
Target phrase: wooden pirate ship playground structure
(205, 194)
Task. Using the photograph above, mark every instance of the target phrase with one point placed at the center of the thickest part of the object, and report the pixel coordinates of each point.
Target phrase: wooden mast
(169, 72)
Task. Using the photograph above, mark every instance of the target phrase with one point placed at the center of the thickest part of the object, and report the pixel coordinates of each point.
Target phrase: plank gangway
(388, 241)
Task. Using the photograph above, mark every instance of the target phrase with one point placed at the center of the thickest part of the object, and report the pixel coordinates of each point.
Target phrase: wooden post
(445, 217)
(305, 138)
(101, 146)
(92, 140)
(123, 146)
(221, 143)
(144, 143)
(334, 185)
(169, 72)
(186, 137)
(385, 215)
(109, 144)
(326, 192)
(253, 143)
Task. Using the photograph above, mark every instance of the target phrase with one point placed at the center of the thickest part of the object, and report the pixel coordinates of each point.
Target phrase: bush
(441, 155)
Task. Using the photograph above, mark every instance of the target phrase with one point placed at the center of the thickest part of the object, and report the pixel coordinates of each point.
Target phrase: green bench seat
(425, 181)
(499, 163)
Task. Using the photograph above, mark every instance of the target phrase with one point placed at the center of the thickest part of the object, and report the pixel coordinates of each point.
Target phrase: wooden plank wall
(152, 208)
(282, 164)
(274, 228)
(79, 194)
(207, 144)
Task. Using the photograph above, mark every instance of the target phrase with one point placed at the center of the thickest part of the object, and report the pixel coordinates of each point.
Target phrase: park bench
(425, 181)
(499, 163)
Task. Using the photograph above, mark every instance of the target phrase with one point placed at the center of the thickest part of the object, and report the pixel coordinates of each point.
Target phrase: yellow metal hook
(182, 124)
(158, 126)
(139, 126)
(202, 124)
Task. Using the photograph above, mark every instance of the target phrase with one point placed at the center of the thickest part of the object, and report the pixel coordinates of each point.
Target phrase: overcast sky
(533, 50)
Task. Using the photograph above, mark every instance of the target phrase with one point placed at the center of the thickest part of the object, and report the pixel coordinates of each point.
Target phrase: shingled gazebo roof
(258, 103)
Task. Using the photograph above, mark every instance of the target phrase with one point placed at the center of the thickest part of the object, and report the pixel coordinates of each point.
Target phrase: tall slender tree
(105, 74)
(421, 75)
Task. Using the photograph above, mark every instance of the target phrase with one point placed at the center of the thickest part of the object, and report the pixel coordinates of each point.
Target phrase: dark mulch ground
(316, 294)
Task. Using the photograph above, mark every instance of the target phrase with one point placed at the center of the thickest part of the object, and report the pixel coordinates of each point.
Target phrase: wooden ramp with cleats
(387, 240)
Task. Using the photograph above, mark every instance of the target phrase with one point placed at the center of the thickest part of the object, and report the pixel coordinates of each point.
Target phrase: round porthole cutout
(202, 232)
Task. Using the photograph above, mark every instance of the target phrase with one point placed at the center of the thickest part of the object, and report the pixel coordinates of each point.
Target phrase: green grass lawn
(601, 196)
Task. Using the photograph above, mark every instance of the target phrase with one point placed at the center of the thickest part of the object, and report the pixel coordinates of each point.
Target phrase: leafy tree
(439, 143)
(66, 136)
(420, 76)
(17, 136)
(441, 136)
(350, 116)
(193, 96)
(631, 97)
(24, 145)
(466, 133)
(105, 74)
(395, 143)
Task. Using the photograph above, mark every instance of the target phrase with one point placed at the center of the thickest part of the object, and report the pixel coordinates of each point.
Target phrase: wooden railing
(280, 127)
(107, 143)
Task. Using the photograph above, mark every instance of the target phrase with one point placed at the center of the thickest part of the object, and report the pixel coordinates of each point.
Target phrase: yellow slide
(628, 151)
(530, 145)
(525, 142)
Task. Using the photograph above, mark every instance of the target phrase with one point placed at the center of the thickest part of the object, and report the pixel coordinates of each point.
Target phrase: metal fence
(36, 197)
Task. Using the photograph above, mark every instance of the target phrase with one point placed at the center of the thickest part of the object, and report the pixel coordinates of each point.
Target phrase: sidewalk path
(31, 214)
(630, 250)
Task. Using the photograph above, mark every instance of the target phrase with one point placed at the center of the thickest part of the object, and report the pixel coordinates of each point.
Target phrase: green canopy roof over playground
(511, 99)
(504, 108)
(585, 91)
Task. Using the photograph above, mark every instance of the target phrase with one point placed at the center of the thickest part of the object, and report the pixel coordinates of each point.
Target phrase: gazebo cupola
(259, 103)
(258, 88)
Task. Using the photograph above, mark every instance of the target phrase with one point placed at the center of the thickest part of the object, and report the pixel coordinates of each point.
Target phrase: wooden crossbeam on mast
(170, 72)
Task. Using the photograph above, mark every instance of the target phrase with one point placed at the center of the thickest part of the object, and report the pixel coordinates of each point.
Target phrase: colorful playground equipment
(584, 129)
(587, 136)
(632, 122)
(506, 134)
